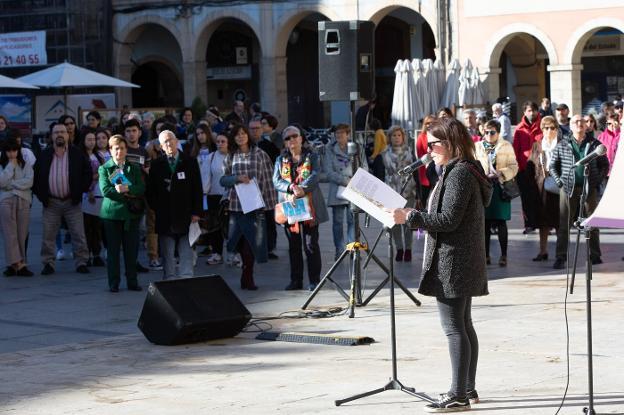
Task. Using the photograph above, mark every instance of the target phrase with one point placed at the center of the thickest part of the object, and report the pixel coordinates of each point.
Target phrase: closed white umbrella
(465, 91)
(440, 77)
(397, 97)
(478, 95)
(419, 90)
(403, 101)
(450, 96)
(433, 96)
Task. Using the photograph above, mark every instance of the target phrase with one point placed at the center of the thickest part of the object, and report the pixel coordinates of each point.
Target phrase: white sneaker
(238, 261)
(214, 259)
(60, 255)
(155, 265)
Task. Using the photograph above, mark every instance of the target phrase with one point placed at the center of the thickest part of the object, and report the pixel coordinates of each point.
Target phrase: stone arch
(212, 22)
(378, 10)
(291, 19)
(574, 48)
(499, 40)
(131, 32)
(162, 60)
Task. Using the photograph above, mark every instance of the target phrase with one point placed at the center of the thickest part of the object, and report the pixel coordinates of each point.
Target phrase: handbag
(550, 185)
(509, 190)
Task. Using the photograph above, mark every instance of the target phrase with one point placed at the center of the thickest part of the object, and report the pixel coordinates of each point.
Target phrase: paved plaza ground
(68, 346)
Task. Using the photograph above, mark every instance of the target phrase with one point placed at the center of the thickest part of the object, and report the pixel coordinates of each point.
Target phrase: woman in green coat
(122, 186)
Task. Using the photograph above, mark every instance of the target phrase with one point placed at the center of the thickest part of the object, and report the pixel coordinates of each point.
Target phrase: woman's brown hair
(456, 137)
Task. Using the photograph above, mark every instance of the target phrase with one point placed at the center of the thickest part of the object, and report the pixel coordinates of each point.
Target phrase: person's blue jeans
(168, 245)
(338, 216)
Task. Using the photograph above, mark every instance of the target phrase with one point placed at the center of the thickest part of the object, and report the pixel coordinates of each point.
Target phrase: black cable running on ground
(258, 324)
(565, 304)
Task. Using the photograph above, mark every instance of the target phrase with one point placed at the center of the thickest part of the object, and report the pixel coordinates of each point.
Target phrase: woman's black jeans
(455, 316)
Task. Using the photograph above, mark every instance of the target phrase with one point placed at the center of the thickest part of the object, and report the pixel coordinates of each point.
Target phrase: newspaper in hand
(249, 196)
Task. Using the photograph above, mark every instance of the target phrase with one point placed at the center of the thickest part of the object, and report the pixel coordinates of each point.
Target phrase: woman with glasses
(296, 176)
(547, 208)
(454, 268)
(498, 160)
(247, 231)
(16, 180)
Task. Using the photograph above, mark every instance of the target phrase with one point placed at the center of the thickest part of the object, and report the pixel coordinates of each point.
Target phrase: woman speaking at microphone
(454, 258)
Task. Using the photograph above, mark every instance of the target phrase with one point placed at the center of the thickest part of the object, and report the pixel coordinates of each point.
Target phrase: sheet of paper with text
(373, 196)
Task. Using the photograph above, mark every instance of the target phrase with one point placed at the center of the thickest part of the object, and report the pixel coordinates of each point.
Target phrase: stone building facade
(220, 50)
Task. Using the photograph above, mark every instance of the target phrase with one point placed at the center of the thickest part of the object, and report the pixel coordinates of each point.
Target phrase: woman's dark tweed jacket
(454, 260)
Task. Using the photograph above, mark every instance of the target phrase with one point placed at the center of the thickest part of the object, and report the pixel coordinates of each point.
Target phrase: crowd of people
(110, 187)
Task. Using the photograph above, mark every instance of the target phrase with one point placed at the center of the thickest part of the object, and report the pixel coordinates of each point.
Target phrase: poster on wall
(23, 49)
(50, 107)
(18, 110)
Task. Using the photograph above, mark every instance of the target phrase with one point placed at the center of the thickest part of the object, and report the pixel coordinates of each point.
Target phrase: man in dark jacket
(174, 191)
(62, 174)
(567, 152)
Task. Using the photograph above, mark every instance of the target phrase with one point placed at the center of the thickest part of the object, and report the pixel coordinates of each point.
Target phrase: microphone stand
(589, 410)
(394, 383)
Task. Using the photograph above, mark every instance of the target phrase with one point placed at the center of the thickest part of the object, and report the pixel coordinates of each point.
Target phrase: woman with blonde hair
(547, 209)
(396, 157)
(380, 143)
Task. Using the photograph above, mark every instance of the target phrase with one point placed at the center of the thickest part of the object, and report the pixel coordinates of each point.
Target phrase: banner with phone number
(21, 49)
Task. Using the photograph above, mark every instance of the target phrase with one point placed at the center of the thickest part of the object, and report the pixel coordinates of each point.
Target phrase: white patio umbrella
(451, 89)
(6, 82)
(66, 75)
(397, 97)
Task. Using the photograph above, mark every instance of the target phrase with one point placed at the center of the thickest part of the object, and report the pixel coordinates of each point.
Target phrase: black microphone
(423, 161)
(599, 151)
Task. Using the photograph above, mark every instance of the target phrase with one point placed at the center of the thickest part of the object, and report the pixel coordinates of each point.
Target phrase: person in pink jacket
(611, 137)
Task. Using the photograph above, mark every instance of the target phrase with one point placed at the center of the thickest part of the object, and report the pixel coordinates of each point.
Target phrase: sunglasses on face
(549, 128)
(430, 144)
(491, 132)
(291, 136)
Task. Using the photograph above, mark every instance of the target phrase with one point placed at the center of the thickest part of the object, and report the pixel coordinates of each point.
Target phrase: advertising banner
(22, 49)
(18, 110)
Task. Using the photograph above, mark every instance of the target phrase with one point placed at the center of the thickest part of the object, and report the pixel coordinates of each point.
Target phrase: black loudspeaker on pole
(346, 60)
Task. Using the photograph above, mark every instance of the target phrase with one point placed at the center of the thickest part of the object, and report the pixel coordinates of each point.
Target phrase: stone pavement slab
(68, 346)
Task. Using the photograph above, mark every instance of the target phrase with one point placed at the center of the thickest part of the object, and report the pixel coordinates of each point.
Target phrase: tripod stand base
(394, 384)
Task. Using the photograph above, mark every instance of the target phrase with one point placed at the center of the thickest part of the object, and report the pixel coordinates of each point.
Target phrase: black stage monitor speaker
(191, 310)
(346, 60)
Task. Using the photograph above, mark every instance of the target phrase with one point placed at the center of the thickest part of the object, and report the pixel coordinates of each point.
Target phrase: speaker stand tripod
(394, 382)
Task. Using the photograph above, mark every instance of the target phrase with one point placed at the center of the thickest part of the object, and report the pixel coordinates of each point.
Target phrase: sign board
(18, 110)
(22, 49)
(229, 73)
(241, 56)
(50, 107)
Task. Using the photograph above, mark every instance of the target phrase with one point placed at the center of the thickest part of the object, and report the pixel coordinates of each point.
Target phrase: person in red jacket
(421, 148)
(527, 132)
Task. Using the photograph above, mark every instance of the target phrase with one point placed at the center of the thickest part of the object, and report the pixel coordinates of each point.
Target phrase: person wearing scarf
(296, 175)
(498, 160)
(396, 157)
